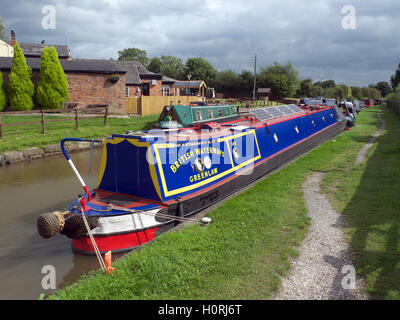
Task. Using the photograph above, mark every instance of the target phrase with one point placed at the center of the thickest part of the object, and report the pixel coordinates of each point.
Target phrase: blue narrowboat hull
(181, 172)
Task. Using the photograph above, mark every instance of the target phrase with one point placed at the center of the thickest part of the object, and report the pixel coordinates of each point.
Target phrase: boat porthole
(235, 153)
(198, 163)
(276, 138)
(297, 129)
(313, 123)
(207, 162)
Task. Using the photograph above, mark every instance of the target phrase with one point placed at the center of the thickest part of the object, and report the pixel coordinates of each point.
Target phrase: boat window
(219, 113)
(276, 138)
(297, 129)
(313, 123)
(199, 115)
(323, 118)
(210, 114)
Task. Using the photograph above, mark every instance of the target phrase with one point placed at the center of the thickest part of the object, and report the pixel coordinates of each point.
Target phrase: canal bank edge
(32, 153)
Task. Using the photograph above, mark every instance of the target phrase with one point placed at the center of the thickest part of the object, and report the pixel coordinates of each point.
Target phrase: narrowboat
(149, 180)
(180, 116)
(348, 111)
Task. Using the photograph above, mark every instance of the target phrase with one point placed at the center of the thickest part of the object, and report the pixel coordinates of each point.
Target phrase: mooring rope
(96, 249)
(161, 215)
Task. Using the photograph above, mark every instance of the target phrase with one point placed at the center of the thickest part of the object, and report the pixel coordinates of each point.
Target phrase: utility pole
(254, 86)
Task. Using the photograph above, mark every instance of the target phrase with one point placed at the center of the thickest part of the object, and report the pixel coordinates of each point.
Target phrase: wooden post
(1, 133)
(105, 116)
(76, 119)
(43, 125)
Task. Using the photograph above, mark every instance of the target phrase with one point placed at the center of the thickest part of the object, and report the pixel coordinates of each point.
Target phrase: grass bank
(17, 138)
(368, 196)
(243, 253)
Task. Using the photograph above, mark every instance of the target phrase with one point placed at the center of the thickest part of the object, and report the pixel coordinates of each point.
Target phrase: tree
(395, 79)
(52, 90)
(20, 86)
(227, 82)
(278, 82)
(3, 97)
(155, 65)
(292, 75)
(383, 87)
(246, 82)
(306, 88)
(3, 34)
(393, 100)
(316, 91)
(371, 93)
(172, 67)
(356, 92)
(339, 92)
(200, 69)
(328, 84)
(134, 54)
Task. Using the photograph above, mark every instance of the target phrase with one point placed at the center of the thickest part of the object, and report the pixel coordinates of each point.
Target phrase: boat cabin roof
(210, 130)
(177, 116)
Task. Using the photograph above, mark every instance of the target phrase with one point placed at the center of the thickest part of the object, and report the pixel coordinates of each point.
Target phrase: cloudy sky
(320, 37)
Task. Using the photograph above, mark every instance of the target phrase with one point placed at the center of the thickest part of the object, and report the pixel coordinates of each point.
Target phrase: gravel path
(317, 272)
(363, 152)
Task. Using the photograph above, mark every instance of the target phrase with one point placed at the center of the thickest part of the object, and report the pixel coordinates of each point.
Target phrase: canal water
(28, 189)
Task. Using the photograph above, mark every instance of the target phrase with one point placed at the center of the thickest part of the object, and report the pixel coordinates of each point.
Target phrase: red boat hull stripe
(116, 242)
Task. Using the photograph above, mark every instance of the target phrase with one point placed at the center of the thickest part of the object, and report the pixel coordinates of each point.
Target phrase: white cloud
(227, 33)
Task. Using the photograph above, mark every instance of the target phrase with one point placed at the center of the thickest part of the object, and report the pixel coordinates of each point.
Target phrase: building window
(219, 113)
(210, 114)
(166, 91)
(126, 91)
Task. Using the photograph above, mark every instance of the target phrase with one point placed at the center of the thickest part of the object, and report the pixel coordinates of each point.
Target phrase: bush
(20, 86)
(3, 98)
(393, 100)
(52, 90)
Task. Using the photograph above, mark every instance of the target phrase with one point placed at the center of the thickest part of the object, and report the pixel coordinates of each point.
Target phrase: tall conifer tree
(3, 97)
(52, 91)
(20, 86)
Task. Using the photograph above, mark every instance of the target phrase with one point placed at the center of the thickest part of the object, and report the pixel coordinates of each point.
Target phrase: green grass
(244, 252)
(20, 137)
(368, 195)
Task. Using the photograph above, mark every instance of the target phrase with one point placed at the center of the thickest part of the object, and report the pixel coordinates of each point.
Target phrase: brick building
(95, 82)
(90, 82)
(140, 81)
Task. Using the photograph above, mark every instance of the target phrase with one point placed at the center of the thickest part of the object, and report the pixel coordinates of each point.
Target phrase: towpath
(323, 263)
(317, 272)
(363, 152)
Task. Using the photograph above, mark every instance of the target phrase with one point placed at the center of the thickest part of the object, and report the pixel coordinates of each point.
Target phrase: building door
(145, 89)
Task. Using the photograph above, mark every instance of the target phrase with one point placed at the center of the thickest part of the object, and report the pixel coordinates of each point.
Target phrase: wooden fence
(43, 120)
(146, 105)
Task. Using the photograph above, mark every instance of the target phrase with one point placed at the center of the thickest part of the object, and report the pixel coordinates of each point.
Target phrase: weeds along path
(317, 272)
(363, 152)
